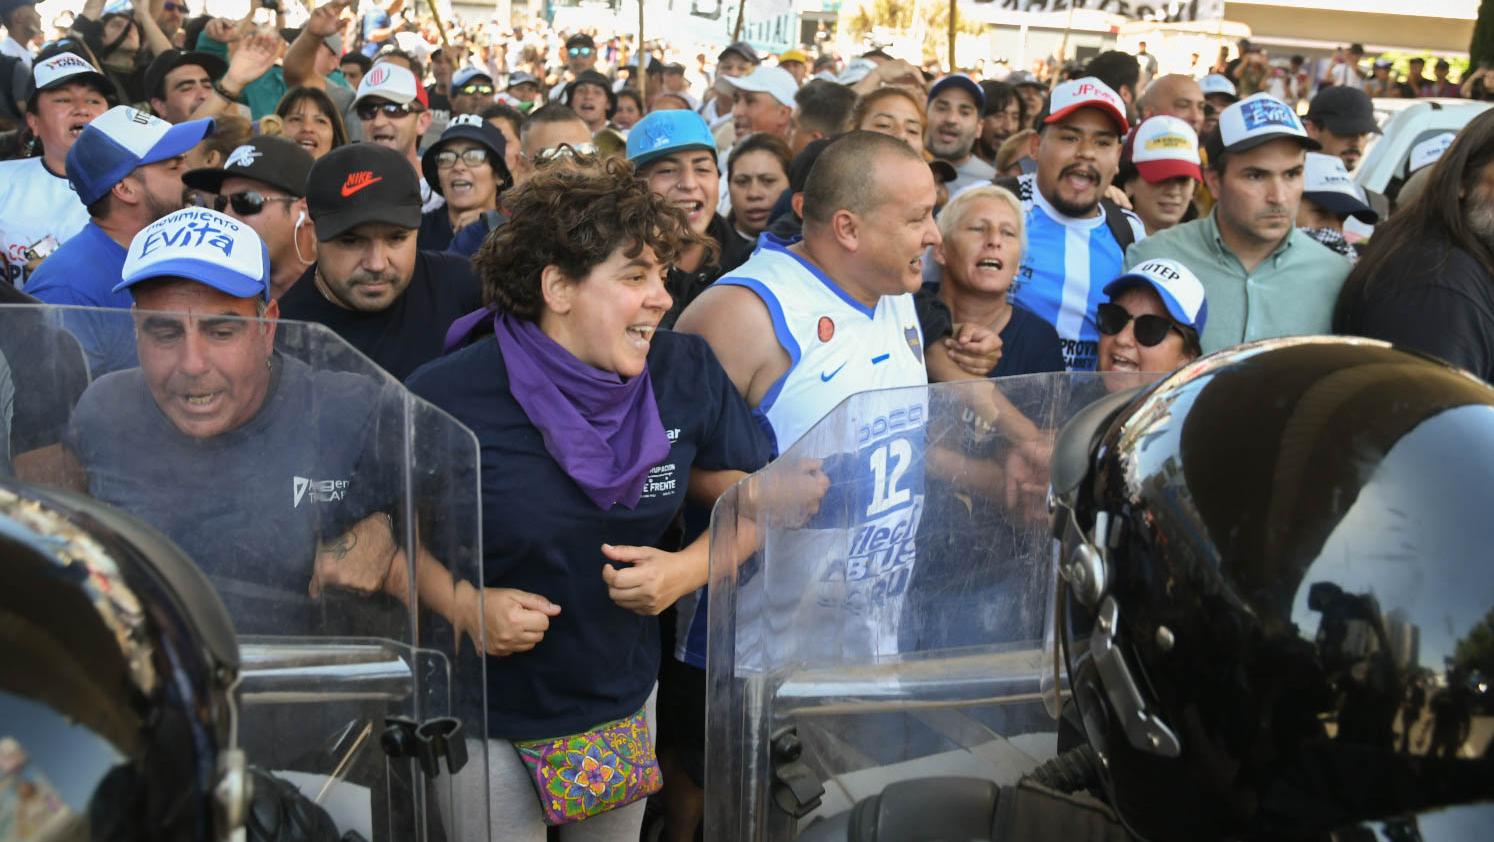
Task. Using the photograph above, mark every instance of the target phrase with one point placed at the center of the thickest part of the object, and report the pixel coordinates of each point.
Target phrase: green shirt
(264, 93)
(1290, 293)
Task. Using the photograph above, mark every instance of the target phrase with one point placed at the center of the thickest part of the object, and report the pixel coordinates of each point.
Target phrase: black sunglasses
(247, 203)
(1149, 331)
(470, 90)
(474, 157)
(367, 110)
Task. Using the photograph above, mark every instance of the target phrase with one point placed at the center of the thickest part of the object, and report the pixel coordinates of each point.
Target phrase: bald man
(1174, 95)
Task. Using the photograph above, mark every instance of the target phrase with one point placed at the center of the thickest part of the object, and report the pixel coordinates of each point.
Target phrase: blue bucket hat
(666, 132)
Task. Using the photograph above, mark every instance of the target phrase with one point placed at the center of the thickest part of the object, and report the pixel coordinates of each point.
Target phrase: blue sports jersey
(1066, 264)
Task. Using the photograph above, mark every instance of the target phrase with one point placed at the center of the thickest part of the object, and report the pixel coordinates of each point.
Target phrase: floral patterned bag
(586, 774)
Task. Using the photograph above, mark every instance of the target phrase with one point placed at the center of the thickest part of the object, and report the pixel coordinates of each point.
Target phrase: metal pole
(642, 58)
(440, 27)
(736, 31)
(953, 16)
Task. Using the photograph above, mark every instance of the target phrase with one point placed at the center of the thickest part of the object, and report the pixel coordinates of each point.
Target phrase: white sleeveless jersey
(839, 582)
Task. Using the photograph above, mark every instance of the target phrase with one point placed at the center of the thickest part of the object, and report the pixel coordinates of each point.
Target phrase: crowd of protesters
(637, 278)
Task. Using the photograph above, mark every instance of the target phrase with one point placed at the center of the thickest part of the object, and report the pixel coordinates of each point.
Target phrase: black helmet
(116, 718)
(1280, 597)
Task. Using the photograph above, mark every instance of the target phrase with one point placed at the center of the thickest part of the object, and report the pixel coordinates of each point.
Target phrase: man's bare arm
(736, 324)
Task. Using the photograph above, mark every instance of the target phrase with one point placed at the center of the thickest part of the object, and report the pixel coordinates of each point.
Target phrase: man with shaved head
(799, 327)
(1174, 95)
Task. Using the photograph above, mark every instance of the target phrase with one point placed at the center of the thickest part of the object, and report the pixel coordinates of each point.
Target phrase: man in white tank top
(799, 328)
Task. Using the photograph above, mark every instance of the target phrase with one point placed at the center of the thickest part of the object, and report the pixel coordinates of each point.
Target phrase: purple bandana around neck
(605, 433)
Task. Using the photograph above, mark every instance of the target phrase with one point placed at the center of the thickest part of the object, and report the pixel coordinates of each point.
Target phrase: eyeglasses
(1149, 331)
(473, 157)
(566, 150)
(479, 89)
(175, 7)
(367, 110)
(247, 203)
(579, 51)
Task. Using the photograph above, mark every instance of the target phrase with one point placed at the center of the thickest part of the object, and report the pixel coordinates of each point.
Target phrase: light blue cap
(666, 132)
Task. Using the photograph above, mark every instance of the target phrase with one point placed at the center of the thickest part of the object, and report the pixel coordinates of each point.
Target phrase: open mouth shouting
(640, 335)
(1080, 178)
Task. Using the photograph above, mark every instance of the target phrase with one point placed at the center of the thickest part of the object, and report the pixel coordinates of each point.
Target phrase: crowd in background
(674, 262)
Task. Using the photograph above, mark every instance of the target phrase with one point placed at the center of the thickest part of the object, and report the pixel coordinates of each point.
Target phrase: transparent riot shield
(336, 516)
(892, 627)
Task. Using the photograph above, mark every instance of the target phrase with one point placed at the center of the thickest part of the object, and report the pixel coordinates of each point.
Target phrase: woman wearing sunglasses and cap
(466, 166)
(1152, 321)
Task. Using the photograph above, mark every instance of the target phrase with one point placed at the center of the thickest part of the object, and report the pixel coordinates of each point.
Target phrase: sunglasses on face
(579, 51)
(368, 110)
(175, 7)
(474, 157)
(470, 90)
(1149, 330)
(247, 203)
(566, 150)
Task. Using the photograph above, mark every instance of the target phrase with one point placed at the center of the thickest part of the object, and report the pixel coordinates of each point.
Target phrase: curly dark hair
(574, 217)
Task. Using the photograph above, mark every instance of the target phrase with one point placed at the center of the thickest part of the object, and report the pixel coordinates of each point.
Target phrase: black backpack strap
(1119, 224)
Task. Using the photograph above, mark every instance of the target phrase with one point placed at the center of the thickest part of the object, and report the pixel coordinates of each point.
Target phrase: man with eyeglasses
(391, 105)
(371, 284)
(39, 210)
(472, 90)
(263, 185)
(178, 83)
(550, 132)
(126, 167)
(169, 15)
(580, 56)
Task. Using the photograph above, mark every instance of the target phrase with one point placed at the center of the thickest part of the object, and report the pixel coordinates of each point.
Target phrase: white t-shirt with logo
(35, 205)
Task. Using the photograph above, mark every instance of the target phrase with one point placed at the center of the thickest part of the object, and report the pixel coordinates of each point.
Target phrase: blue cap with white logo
(122, 139)
(1180, 290)
(666, 132)
(202, 245)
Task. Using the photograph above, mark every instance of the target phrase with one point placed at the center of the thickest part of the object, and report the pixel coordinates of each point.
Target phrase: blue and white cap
(1253, 121)
(202, 245)
(666, 132)
(1180, 290)
(122, 139)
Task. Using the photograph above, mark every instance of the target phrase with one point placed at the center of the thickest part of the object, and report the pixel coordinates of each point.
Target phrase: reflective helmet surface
(1279, 565)
(115, 712)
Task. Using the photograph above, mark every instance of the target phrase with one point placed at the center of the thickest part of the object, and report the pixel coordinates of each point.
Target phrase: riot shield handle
(796, 788)
(427, 742)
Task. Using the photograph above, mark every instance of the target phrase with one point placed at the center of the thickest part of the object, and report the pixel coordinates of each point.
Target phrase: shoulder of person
(1319, 252)
(110, 398)
(452, 374)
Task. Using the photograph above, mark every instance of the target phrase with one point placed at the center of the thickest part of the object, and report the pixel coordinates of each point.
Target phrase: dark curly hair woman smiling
(593, 427)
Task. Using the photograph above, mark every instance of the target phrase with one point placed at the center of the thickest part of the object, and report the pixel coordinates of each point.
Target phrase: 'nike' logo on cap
(357, 181)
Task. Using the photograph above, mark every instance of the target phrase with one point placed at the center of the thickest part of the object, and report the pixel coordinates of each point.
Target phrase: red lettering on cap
(357, 181)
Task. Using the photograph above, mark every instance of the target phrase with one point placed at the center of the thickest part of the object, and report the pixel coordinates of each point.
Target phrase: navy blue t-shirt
(1029, 345)
(540, 533)
(250, 505)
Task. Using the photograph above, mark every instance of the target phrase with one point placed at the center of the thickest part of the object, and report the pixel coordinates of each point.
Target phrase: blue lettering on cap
(1262, 113)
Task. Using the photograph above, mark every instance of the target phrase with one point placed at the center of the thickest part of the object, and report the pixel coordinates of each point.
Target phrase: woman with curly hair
(594, 428)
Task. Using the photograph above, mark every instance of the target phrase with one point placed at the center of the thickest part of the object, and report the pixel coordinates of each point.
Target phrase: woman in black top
(1424, 281)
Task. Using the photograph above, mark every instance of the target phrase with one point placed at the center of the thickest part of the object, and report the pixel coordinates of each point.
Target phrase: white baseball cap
(1180, 290)
(1429, 151)
(1162, 148)
(1255, 120)
(1215, 83)
(1086, 92)
(1326, 181)
(200, 245)
(387, 80)
(65, 68)
(774, 81)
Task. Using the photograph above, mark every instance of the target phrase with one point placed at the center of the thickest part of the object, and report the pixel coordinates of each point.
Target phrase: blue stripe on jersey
(780, 330)
(768, 241)
(1063, 273)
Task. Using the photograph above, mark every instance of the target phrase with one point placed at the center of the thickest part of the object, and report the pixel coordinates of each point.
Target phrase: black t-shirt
(542, 534)
(42, 375)
(409, 332)
(1029, 345)
(435, 230)
(1431, 297)
(250, 505)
